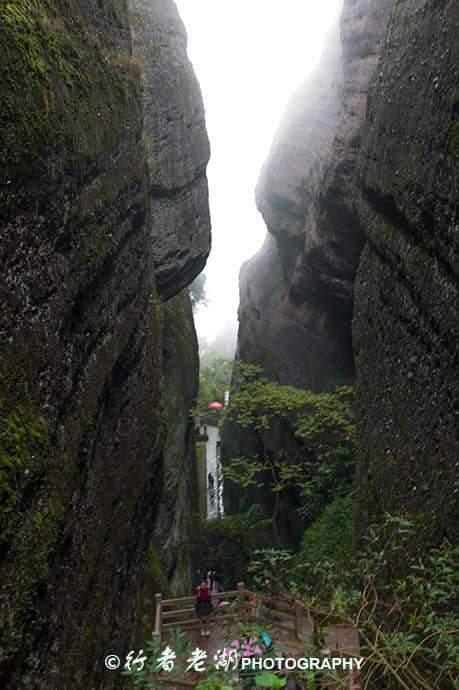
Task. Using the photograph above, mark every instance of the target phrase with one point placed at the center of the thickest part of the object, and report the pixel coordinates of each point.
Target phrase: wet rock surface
(307, 196)
(296, 294)
(406, 293)
(82, 411)
(181, 490)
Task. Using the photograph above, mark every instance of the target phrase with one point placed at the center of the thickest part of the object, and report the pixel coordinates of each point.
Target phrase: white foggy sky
(249, 56)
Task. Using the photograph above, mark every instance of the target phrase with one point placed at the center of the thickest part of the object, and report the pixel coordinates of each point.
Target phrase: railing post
(158, 615)
(241, 597)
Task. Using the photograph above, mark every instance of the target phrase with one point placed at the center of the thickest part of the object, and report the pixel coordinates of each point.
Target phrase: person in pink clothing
(204, 606)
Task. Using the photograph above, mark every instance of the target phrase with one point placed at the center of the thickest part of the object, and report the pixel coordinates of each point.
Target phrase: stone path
(338, 638)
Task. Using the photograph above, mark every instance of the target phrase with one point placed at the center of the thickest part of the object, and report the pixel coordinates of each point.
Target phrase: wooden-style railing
(181, 613)
(171, 613)
(286, 615)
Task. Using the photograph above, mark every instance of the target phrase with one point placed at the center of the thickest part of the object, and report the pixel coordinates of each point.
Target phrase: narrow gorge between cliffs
(190, 498)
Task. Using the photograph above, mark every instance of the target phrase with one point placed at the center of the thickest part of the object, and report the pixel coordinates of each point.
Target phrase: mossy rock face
(81, 413)
(64, 68)
(154, 581)
(406, 293)
(181, 488)
(168, 568)
(330, 538)
(82, 400)
(28, 529)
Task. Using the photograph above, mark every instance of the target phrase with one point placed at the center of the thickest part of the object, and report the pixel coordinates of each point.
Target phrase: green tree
(197, 290)
(320, 464)
(401, 605)
(214, 380)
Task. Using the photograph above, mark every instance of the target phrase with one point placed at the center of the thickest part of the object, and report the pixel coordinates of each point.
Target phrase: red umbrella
(215, 405)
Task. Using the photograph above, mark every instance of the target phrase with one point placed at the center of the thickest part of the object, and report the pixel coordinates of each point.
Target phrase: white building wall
(213, 465)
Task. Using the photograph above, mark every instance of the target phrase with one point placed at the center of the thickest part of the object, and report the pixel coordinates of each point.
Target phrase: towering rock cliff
(178, 150)
(406, 325)
(82, 409)
(361, 177)
(297, 292)
(307, 195)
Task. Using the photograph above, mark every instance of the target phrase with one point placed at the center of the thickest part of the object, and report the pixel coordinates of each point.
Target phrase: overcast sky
(249, 56)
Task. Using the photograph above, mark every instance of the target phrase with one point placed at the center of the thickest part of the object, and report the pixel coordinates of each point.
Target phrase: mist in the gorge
(228, 344)
(251, 56)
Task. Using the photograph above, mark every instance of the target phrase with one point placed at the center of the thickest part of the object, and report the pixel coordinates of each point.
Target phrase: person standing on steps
(203, 606)
(216, 582)
(210, 481)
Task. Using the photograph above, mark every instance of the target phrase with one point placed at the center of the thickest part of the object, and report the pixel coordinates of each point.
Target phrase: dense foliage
(320, 463)
(329, 540)
(214, 379)
(400, 605)
(405, 619)
(243, 638)
(403, 608)
(226, 544)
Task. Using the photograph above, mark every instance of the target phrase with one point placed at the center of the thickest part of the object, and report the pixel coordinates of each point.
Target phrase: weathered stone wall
(82, 412)
(307, 195)
(178, 148)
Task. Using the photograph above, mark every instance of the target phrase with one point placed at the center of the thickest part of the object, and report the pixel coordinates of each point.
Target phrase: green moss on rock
(33, 60)
(330, 538)
(452, 139)
(156, 573)
(22, 443)
(25, 454)
(154, 581)
(56, 78)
